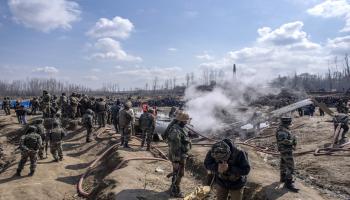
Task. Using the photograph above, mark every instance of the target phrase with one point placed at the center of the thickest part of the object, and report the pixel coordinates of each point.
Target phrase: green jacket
(285, 140)
(179, 143)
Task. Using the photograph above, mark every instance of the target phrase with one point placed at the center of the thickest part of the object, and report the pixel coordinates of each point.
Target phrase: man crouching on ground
(229, 167)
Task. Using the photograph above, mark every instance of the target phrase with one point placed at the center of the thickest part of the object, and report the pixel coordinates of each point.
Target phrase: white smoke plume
(226, 103)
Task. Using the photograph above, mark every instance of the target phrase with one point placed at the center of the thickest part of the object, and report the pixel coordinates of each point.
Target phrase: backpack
(31, 141)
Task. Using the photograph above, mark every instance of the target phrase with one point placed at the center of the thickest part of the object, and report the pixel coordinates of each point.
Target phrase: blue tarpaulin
(25, 103)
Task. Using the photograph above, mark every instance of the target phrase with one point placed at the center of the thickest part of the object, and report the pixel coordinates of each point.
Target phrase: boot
(31, 173)
(282, 178)
(290, 186)
(175, 191)
(148, 147)
(126, 145)
(18, 173)
(122, 141)
(61, 158)
(142, 143)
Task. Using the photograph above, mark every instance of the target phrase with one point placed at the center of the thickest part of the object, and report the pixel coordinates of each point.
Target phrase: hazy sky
(130, 42)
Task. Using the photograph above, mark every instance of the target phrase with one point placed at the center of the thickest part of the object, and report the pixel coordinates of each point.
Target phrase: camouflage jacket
(179, 143)
(100, 106)
(286, 142)
(87, 120)
(41, 130)
(126, 118)
(147, 121)
(74, 101)
(56, 135)
(30, 142)
(63, 101)
(46, 99)
(115, 112)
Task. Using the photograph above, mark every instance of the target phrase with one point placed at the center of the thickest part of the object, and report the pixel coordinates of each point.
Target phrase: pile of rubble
(284, 98)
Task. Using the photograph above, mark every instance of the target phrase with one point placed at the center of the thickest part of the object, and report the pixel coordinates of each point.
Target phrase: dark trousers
(223, 193)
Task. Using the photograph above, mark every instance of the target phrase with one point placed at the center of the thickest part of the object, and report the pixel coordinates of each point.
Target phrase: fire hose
(83, 193)
(86, 194)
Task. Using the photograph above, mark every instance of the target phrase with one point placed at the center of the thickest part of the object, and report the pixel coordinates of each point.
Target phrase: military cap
(182, 116)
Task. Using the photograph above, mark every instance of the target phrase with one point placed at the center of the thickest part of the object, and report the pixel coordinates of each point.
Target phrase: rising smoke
(224, 103)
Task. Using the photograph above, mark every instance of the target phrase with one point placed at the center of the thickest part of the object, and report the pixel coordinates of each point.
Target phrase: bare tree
(155, 83)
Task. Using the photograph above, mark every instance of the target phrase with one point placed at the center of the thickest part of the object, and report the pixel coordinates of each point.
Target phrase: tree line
(337, 78)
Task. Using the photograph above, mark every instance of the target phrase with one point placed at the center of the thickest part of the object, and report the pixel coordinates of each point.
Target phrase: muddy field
(147, 179)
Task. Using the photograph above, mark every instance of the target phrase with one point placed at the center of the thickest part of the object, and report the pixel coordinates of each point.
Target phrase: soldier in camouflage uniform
(93, 108)
(286, 143)
(126, 119)
(7, 105)
(115, 115)
(84, 104)
(45, 104)
(74, 102)
(179, 144)
(56, 136)
(88, 123)
(30, 143)
(63, 104)
(41, 131)
(54, 103)
(101, 112)
(35, 105)
(147, 125)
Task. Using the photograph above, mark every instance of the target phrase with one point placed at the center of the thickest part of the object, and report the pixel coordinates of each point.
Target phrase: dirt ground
(328, 174)
(147, 179)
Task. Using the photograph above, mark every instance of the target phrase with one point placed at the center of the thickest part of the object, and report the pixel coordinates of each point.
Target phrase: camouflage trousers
(126, 134)
(101, 117)
(178, 173)
(88, 132)
(109, 118)
(46, 110)
(147, 136)
(287, 166)
(74, 112)
(32, 155)
(7, 110)
(56, 150)
(41, 152)
(116, 126)
(222, 193)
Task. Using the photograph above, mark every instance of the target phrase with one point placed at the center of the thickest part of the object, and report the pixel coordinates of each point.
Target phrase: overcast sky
(130, 41)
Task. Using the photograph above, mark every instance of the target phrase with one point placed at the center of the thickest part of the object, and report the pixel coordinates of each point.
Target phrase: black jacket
(238, 164)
